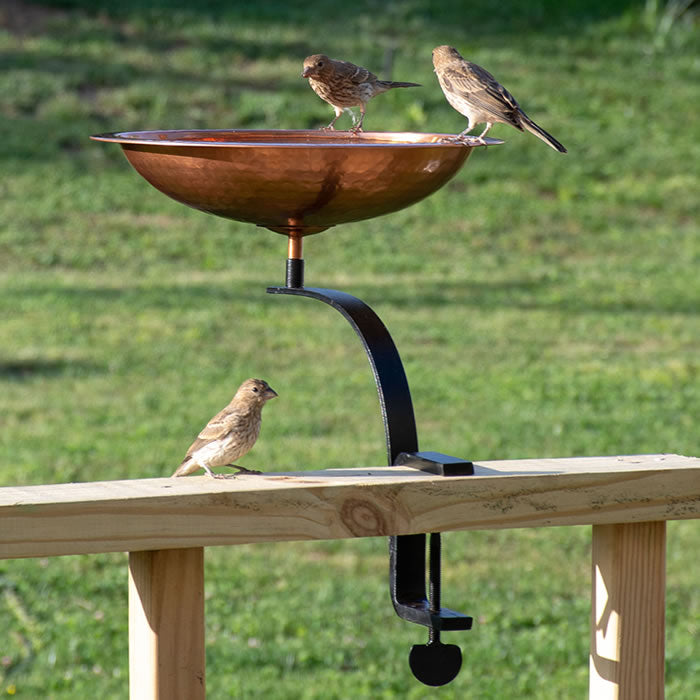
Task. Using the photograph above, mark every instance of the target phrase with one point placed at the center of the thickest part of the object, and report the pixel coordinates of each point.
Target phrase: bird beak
(306, 73)
(270, 393)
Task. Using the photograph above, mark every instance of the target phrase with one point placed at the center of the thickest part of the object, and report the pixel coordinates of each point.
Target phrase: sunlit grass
(543, 305)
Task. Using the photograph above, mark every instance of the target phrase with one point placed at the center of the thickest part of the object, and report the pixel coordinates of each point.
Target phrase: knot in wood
(362, 518)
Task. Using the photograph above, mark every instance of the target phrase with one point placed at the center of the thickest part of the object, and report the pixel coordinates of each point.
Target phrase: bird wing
(355, 74)
(477, 86)
(223, 422)
(220, 425)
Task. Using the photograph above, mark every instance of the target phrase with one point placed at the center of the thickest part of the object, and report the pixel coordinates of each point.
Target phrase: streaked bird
(476, 94)
(231, 433)
(343, 85)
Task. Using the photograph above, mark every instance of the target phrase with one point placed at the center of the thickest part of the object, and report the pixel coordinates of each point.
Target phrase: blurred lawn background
(544, 306)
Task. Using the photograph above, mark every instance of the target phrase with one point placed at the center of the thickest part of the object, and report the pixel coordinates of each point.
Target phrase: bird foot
(242, 470)
(465, 140)
(327, 128)
(452, 139)
(355, 130)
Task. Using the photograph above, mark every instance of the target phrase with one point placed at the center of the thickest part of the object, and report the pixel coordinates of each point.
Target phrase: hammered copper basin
(293, 182)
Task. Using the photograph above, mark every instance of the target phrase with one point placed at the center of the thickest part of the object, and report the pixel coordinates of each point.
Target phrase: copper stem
(294, 249)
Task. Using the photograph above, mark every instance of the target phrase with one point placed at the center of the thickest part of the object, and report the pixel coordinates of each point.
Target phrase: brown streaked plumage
(476, 94)
(343, 84)
(231, 433)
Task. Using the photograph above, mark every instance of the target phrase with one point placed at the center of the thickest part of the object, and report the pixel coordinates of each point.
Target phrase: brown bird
(231, 433)
(476, 94)
(344, 85)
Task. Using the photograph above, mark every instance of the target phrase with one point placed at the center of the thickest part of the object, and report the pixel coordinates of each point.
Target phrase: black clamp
(433, 663)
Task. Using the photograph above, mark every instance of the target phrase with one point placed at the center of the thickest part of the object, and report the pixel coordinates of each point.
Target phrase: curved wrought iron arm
(389, 375)
(434, 663)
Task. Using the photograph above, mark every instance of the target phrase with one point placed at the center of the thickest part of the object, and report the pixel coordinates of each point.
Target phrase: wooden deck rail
(165, 523)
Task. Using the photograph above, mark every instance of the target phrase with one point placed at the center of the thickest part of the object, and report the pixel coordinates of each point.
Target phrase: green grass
(544, 305)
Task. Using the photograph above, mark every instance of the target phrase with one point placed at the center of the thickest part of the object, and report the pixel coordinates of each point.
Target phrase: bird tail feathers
(392, 84)
(184, 468)
(538, 131)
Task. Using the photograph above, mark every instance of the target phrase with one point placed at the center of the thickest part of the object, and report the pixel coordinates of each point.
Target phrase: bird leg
(470, 126)
(357, 128)
(330, 127)
(461, 137)
(467, 140)
(484, 132)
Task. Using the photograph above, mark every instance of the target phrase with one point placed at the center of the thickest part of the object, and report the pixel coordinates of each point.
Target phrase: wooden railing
(165, 523)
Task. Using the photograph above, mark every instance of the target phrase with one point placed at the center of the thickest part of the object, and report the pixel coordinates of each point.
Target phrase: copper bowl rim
(296, 138)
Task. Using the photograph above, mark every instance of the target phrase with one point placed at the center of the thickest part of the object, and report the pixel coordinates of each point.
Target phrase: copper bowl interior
(295, 182)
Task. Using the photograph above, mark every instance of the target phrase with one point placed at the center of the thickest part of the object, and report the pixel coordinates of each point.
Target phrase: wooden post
(628, 606)
(166, 624)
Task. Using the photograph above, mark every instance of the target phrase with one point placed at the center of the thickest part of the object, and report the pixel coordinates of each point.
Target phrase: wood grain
(166, 513)
(627, 613)
(166, 625)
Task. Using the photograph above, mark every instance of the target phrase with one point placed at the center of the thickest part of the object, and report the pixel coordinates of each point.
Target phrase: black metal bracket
(392, 386)
(435, 463)
(407, 581)
(434, 663)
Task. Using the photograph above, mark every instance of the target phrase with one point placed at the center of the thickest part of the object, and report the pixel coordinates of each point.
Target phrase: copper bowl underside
(293, 182)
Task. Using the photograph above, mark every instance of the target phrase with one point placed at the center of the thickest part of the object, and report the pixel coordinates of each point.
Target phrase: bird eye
(319, 64)
(255, 389)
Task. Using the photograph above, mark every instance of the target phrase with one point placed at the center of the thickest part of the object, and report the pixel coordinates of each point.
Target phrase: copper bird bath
(294, 182)
(299, 183)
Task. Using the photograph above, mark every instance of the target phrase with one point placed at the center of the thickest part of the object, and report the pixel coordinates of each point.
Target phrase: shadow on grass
(32, 368)
(86, 76)
(482, 16)
(525, 294)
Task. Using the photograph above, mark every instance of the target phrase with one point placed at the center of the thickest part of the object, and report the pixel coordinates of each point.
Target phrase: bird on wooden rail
(343, 85)
(476, 94)
(231, 433)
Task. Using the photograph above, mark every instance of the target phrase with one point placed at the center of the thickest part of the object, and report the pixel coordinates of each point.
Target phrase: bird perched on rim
(231, 433)
(476, 94)
(344, 85)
